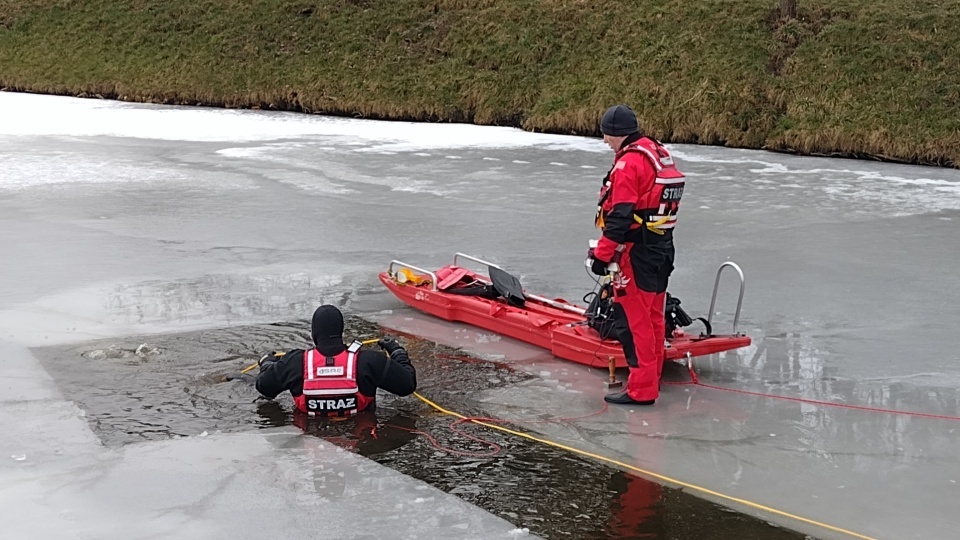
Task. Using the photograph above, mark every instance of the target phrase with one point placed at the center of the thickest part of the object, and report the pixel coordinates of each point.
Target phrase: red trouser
(640, 328)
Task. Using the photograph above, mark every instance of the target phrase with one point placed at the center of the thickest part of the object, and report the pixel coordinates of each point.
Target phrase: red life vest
(330, 384)
(657, 208)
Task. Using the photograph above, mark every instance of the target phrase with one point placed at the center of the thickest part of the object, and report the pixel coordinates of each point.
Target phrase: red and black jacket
(640, 197)
(374, 369)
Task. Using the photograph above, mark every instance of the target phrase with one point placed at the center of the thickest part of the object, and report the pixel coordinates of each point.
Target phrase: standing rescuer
(333, 379)
(637, 213)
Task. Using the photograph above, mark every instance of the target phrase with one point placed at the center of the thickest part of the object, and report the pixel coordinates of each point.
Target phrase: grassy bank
(876, 78)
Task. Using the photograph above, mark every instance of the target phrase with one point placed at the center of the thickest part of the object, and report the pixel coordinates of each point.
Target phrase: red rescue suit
(637, 213)
(330, 384)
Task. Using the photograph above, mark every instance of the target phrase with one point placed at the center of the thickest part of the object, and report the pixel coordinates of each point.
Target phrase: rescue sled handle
(433, 277)
(474, 259)
(547, 301)
(716, 285)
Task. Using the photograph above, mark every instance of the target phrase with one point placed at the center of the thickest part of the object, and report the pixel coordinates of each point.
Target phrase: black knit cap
(618, 121)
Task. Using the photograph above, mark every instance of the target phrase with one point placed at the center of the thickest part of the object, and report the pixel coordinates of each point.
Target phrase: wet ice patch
(316, 183)
(93, 166)
(893, 200)
(287, 164)
(771, 168)
(422, 186)
(156, 306)
(894, 190)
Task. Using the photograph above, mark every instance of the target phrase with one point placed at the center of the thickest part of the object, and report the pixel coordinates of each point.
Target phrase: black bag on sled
(508, 286)
(676, 317)
(600, 314)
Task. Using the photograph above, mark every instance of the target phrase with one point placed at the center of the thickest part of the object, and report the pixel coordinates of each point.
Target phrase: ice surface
(120, 219)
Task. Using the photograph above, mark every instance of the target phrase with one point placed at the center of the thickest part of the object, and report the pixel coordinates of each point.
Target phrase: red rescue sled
(553, 324)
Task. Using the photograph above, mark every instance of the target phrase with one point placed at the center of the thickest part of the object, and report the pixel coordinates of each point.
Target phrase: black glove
(390, 345)
(599, 267)
(269, 357)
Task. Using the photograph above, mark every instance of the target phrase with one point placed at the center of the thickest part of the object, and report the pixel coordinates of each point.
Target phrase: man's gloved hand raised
(269, 357)
(599, 267)
(389, 344)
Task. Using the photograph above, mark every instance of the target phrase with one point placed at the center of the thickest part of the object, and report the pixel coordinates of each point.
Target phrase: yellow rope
(252, 367)
(642, 471)
(627, 466)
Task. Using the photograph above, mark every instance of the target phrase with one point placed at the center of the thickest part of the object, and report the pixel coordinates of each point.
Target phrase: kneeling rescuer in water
(333, 379)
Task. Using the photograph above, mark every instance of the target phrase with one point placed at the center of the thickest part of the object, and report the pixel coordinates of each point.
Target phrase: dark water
(177, 385)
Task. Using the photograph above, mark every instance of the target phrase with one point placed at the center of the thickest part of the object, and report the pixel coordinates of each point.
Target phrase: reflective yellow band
(653, 226)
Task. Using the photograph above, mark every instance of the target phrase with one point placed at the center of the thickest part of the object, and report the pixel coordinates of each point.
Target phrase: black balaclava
(327, 330)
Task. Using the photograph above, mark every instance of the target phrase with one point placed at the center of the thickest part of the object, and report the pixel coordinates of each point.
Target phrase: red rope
(570, 418)
(696, 381)
(495, 448)
(453, 427)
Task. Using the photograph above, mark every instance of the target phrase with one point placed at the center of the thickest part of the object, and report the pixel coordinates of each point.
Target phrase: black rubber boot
(622, 398)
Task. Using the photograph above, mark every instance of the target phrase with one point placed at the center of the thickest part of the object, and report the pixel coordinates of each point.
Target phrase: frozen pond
(119, 219)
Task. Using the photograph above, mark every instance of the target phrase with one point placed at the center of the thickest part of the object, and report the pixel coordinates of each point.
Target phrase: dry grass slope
(875, 78)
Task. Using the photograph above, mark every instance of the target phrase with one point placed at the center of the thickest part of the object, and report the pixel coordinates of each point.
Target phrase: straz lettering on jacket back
(331, 404)
(670, 200)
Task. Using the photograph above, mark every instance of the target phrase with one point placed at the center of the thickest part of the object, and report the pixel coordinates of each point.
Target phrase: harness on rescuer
(656, 213)
(663, 198)
(330, 384)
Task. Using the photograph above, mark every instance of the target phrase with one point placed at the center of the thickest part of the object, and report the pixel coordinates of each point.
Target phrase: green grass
(877, 78)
